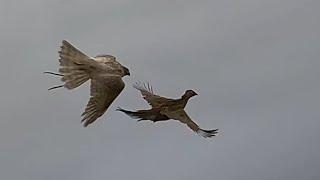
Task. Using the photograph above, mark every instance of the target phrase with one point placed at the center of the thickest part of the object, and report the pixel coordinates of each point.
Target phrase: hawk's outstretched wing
(147, 93)
(103, 92)
(183, 117)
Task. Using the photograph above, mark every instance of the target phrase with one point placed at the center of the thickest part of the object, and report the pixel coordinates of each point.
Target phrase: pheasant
(164, 109)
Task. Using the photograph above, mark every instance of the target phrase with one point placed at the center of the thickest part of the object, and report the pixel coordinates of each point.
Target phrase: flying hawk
(104, 72)
(165, 109)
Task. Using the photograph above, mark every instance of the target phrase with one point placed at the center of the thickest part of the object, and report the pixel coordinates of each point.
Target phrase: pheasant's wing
(183, 117)
(147, 93)
(103, 91)
(70, 54)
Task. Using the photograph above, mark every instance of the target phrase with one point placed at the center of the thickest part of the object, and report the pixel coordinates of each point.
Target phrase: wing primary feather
(149, 87)
(89, 115)
(207, 133)
(144, 85)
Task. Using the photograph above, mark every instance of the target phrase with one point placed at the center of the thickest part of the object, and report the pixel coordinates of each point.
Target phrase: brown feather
(165, 109)
(103, 92)
(105, 73)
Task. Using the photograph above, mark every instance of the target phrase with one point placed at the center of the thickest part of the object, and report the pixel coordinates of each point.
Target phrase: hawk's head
(111, 61)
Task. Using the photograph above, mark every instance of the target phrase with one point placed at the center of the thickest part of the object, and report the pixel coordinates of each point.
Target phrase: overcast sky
(254, 63)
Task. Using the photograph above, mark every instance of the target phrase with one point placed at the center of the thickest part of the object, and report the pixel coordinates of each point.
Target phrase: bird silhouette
(104, 72)
(163, 109)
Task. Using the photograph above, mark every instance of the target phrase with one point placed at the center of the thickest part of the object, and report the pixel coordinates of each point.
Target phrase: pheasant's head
(189, 93)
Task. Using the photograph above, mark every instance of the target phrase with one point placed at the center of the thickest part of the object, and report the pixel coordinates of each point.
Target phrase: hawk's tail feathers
(207, 133)
(52, 73)
(74, 80)
(70, 53)
(56, 74)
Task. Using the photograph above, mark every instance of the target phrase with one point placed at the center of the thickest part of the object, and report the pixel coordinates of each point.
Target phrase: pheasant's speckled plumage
(164, 109)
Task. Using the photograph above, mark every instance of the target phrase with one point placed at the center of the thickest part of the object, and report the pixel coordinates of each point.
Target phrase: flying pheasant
(165, 109)
(104, 72)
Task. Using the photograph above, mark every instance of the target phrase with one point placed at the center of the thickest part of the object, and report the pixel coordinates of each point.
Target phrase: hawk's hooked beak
(126, 71)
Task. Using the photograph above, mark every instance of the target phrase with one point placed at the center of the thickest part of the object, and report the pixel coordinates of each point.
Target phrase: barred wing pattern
(103, 91)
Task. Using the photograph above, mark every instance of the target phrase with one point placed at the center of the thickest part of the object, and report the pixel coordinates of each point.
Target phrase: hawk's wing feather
(103, 91)
(147, 93)
(183, 117)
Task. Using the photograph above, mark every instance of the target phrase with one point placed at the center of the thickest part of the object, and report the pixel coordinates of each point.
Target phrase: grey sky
(254, 63)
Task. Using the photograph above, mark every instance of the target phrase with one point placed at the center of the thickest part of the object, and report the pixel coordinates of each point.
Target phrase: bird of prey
(165, 109)
(104, 72)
